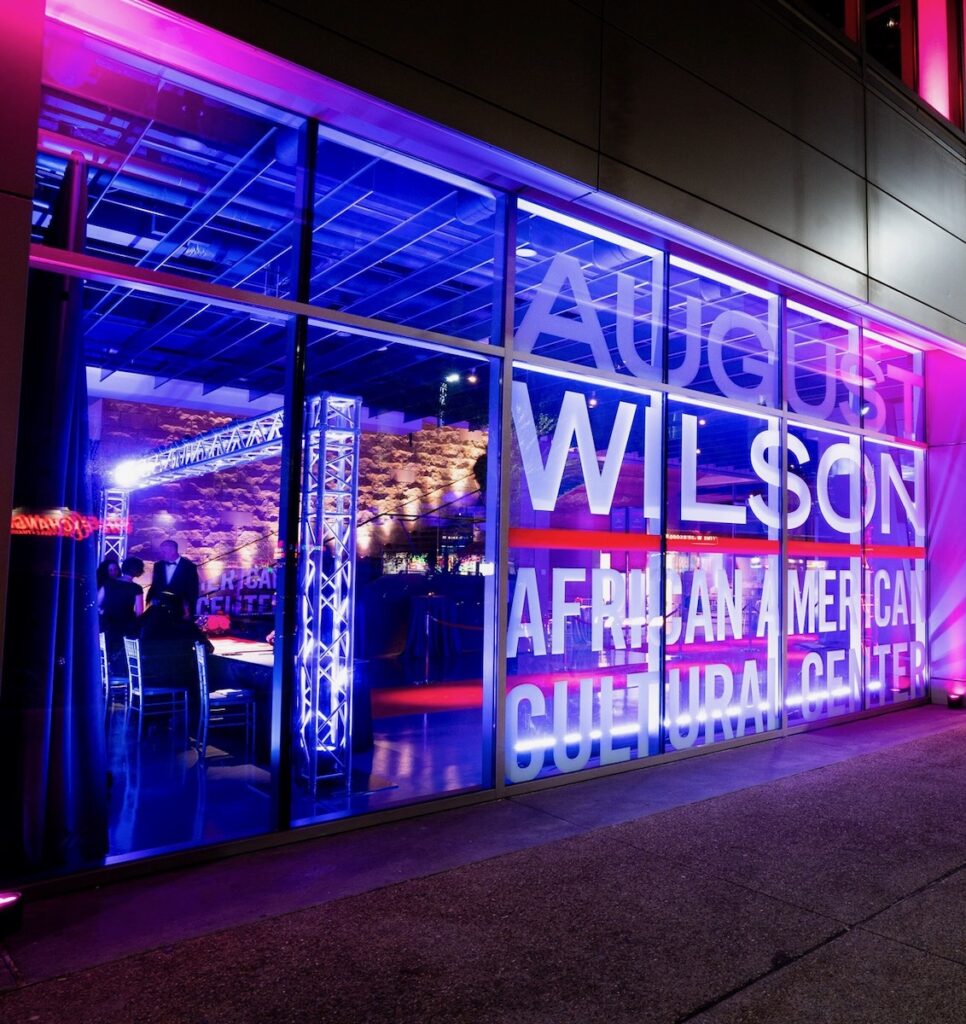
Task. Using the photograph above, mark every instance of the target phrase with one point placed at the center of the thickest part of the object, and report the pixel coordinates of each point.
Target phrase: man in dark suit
(176, 574)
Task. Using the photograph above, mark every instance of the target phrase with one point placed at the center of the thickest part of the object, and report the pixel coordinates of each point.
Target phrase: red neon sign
(62, 522)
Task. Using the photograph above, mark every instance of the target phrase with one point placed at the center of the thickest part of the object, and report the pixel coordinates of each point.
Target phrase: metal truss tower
(326, 586)
(113, 526)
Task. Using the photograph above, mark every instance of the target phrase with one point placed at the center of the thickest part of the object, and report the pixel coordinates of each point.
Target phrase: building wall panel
(668, 123)
(916, 168)
(915, 256)
(734, 48)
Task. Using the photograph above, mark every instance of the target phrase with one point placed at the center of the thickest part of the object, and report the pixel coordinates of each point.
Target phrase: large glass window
(723, 527)
(394, 677)
(169, 485)
(399, 241)
(894, 570)
(892, 388)
(822, 366)
(890, 36)
(180, 671)
(583, 641)
(722, 335)
(823, 585)
(585, 295)
(183, 176)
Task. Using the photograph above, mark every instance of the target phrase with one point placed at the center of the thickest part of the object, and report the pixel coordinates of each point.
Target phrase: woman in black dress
(121, 602)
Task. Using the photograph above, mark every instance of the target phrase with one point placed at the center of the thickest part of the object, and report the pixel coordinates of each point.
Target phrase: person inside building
(168, 647)
(120, 602)
(109, 569)
(177, 575)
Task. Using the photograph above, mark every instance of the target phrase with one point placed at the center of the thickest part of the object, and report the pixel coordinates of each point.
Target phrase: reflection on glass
(583, 644)
(890, 37)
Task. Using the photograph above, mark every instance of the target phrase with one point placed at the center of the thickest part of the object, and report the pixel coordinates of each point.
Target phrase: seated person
(168, 643)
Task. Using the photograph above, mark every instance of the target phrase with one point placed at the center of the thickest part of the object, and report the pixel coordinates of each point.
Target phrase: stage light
(128, 474)
(471, 377)
(452, 378)
(526, 250)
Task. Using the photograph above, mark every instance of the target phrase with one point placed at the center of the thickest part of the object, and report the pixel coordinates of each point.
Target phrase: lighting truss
(326, 585)
(236, 444)
(113, 525)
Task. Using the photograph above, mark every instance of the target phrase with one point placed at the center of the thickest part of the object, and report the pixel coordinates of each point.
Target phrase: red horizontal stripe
(604, 540)
(726, 545)
(583, 540)
(824, 549)
(893, 551)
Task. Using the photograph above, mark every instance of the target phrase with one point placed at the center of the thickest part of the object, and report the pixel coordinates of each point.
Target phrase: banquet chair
(222, 709)
(115, 688)
(151, 700)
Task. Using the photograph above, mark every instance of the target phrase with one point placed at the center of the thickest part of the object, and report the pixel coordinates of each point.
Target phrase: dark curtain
(53, 807)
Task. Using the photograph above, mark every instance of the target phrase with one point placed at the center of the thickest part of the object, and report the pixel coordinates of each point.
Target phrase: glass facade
(359, 484)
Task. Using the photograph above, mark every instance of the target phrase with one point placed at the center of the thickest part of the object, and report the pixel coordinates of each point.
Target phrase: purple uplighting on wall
(946, 431)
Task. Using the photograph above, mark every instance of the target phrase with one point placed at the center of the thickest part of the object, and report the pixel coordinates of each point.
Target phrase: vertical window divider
(863, 497)
(664, 340)
(927, 534)
(507, 255)
(286, 646)
(781, 581)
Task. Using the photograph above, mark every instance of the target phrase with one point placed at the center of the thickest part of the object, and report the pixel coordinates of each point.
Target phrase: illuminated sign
(596, 603)
(600, 299)
(62, 522)
(544, 476)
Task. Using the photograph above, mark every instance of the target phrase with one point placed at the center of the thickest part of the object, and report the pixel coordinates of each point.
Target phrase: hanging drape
(53, 813)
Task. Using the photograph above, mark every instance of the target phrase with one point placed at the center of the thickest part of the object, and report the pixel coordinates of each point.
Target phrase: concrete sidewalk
(820, 877)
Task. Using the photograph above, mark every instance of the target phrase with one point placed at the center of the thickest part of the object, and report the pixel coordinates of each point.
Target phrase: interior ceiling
(184, 178)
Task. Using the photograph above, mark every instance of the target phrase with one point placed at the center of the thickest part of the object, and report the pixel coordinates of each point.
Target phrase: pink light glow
(933, 39)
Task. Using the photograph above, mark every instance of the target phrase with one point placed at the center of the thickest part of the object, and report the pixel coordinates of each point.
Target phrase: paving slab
(839, 840)
(933, 920)
(580, 930)
(858, 978)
